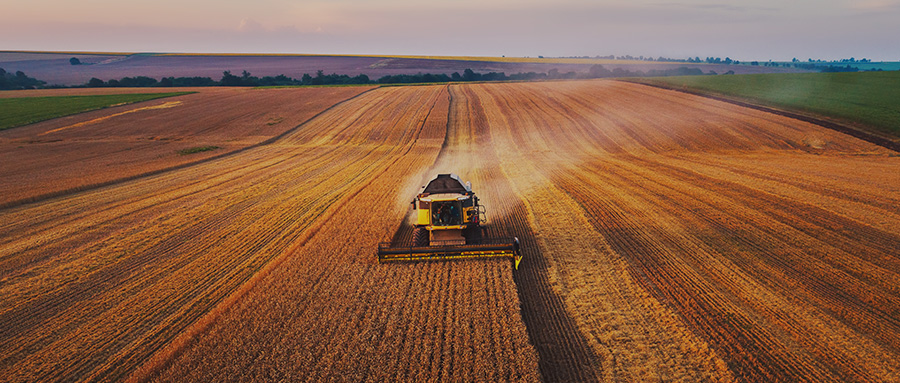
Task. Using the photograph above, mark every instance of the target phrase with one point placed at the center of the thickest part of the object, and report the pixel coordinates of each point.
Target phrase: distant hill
(56, 68)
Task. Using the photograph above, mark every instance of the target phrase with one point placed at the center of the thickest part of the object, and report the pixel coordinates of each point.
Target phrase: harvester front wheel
(420, 237)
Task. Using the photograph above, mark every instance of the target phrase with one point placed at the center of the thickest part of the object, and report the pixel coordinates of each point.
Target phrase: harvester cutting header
(449, 225)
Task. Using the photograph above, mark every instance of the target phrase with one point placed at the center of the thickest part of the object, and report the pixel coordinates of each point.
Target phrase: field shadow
(564, 354)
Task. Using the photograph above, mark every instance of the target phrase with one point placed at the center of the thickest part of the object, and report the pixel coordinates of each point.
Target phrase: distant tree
(229, 79)
(279, 80)
(306, 79)
(455, 76)
(363, 79)
(598, 71)
(9, 81)
(194, 81)
(320, 78)
(137, 82)
(832, 68)
(470, 75)
(74, 61)
(249, 80)
(95, 83)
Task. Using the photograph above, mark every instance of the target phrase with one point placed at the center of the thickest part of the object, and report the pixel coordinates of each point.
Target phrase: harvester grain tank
(449, 225)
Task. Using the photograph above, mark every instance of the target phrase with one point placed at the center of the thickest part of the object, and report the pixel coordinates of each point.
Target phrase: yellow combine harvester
(448, 225)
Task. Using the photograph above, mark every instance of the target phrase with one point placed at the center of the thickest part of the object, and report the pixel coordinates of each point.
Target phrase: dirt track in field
(667, 236)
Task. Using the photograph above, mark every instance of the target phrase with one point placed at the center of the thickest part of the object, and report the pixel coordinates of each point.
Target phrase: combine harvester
(449, 226)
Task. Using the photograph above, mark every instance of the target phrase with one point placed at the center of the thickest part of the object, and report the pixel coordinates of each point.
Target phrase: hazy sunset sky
(746, 30)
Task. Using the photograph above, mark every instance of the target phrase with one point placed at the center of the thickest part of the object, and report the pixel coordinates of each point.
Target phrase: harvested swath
(329, 312)
(772, 241)
(89, 149)
(97, 282)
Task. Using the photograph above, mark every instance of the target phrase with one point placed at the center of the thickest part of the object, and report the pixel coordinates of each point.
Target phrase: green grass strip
(22, 111)
(871, 99)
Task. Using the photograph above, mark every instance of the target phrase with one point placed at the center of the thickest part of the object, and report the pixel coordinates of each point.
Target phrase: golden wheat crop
(666, 237)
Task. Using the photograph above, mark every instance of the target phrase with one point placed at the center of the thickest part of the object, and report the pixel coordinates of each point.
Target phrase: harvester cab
(448, 225)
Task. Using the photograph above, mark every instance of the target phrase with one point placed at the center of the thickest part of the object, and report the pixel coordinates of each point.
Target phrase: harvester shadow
(564, 353)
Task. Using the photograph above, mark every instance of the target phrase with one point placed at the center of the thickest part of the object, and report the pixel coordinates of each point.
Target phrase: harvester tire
(420, 237)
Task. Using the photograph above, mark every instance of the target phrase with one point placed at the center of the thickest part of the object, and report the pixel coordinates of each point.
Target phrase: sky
(743, 30)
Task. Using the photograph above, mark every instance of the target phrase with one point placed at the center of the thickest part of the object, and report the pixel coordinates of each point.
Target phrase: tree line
(21, 81)
(468, 75)
(229, 79)
(18, 80)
